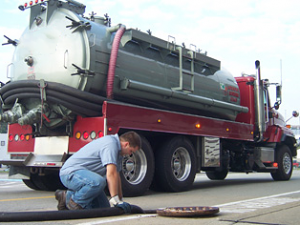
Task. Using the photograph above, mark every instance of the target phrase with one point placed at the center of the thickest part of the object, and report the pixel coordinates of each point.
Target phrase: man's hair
(133, 138)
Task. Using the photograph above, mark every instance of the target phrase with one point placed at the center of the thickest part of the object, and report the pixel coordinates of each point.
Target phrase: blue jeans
(86, 188)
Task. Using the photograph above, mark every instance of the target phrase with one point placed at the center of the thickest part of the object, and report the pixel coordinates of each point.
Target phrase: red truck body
(235, 146)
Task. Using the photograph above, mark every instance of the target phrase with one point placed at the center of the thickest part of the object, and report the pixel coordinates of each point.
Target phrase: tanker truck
(74, 79)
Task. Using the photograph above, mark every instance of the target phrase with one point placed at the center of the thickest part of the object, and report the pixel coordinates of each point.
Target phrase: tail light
(86, 135)
(19, 137)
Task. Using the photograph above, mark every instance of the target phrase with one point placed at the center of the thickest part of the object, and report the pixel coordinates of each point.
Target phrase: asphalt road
(242, 199)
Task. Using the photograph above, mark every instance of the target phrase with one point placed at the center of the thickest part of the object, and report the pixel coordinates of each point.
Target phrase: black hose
(80, 110)
(67, 214)
(60, 88)
(68, 98)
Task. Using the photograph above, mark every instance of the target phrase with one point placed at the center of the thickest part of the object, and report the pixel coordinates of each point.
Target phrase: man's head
(130, 142)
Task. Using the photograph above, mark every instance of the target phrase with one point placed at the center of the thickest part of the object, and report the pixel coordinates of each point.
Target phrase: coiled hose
(81, 102)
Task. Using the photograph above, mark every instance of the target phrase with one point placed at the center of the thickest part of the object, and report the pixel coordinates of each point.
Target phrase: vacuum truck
(74, 79)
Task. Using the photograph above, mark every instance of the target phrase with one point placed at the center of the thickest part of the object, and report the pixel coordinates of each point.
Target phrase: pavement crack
(251, 222)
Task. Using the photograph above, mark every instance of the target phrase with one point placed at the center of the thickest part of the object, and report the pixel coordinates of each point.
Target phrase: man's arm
(113, 180)
(120, 187)
(115, 188)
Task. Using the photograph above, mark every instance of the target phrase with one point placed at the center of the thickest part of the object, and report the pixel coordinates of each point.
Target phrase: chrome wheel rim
(181, 164)
(135, 167)
(287, 165)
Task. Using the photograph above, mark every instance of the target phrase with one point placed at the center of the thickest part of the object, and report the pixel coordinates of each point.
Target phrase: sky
(233, 31)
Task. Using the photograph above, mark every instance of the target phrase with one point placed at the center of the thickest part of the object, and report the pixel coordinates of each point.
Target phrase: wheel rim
(135, 167)
(287, 165)
(181, 164)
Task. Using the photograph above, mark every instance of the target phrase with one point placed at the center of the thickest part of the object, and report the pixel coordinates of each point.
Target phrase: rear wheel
(285, 164)
(137, 171)
(29, 183)
(47, 182)
(175, 165)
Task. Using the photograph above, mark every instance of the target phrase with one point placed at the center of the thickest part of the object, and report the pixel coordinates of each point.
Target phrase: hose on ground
(68, 214)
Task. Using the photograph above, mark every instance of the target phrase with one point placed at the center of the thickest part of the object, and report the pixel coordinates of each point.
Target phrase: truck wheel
(30, 184)
(175, 165)
(285, 164)
(137, 171)
(217, 175)
(48, 182)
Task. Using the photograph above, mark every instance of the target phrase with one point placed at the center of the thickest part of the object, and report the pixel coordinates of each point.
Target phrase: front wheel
(137, 171)
(285, 164)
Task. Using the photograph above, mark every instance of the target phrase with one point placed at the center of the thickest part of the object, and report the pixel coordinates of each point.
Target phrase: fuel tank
(60, 69)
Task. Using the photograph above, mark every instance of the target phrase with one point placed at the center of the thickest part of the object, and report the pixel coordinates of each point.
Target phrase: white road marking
(251, 205)
(116, 219)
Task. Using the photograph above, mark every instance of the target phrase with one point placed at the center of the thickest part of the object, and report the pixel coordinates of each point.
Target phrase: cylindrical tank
(62, 57)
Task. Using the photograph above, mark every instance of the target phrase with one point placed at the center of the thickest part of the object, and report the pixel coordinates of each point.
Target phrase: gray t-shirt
(95, 156)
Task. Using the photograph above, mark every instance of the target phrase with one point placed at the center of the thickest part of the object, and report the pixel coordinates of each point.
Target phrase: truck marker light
(22, 137)
(11, 137)
(198, 125)
(16, 137)
(25, 5)
(100, 134)
(85, 135)
(51, 164)
(227, 129)
(159, 120)
(78, 135)
(109, 129)
(93, 135)
(36, 1)
(275, 164)
(27, 137)
(31, 3)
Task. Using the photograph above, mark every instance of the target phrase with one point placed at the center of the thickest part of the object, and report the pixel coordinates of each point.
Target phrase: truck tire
(217, 174)
(138, 171)
(283, 157)
(29, 183)
(48, 182)
(175, 165)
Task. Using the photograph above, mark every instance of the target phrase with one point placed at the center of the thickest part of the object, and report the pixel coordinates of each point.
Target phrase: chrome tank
(47, 49)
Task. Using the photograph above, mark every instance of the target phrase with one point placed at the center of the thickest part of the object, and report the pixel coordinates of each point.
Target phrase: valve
(29, 60)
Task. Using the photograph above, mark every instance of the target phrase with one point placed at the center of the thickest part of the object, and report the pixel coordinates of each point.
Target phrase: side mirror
(278, 95)
(295, 113)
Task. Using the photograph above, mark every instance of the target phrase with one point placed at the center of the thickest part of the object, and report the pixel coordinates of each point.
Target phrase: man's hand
(125, 206)
(117, 202)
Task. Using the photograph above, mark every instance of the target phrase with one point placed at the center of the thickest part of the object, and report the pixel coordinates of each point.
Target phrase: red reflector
(22, 137)
(85, 135)
(11, 137)
(109, 129)
(100, 134)
(51, 164)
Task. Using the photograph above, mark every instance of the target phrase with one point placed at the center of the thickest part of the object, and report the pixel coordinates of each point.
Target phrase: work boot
(73, 205)
(60, 196)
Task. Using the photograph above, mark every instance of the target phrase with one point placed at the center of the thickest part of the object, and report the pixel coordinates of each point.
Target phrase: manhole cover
(188, 211)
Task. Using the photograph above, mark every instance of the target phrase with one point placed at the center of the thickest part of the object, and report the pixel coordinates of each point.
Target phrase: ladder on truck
(191, 57)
